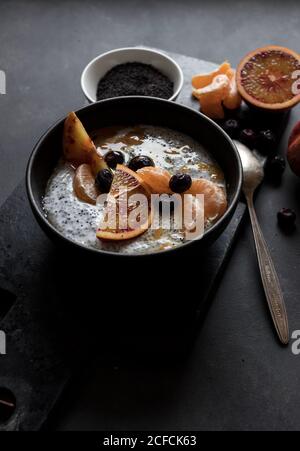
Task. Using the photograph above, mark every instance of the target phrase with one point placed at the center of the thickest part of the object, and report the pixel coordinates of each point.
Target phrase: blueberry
(140, 162)
(275, 167)
(231, 127)
(104, 180)
(266, 141)
(248, 137)
(180, 182)
(286, 219)
(114, 157)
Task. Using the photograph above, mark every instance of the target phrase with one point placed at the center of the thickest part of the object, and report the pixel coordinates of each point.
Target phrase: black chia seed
(134, 79)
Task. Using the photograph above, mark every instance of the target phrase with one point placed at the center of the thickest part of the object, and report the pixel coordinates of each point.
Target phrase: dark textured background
(237, 376)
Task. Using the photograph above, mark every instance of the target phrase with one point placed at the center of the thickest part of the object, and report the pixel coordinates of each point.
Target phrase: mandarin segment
(212, 96)
(156, 178)
(215, 202)
(217, 89)
(214, 110)
(84, 184)
(202, 80)
(233, 100)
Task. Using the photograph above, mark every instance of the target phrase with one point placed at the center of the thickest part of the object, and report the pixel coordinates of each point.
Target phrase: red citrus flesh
(126, 182)
(266, 78)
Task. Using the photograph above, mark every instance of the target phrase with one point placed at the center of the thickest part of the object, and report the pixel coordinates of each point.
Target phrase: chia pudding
(169, 149)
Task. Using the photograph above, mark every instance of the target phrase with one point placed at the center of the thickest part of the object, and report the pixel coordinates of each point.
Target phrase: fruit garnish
(156, 178)
(212, 96)
(114, 157)
(139, 162)
(275, 168)
(216, 90)
(104, 180)
(125, 183)
(78, 148)
(84, 184)
(286, 219)
(215, 202)
(293, 153)
(97, 162)
(248, 137)
(193, 214)
(77, 145)
(231, 127)
(266, 76)
(202, 80)
(233, 99)
(179, 183)
(125, 178)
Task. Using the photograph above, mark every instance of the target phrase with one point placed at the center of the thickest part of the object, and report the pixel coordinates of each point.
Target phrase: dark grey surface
(62, 341)
(237, 376)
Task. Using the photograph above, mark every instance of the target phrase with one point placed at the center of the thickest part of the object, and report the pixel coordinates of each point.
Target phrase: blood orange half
(125, 183)
(266, 78)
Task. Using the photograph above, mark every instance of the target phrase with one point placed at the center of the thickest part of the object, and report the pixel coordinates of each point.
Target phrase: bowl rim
(41, 218)
(144, 49)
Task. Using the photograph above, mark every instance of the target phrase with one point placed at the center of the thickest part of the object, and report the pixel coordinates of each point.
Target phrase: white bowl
(99, 66)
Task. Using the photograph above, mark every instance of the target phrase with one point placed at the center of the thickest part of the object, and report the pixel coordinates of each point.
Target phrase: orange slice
(266, 77)
(215, 202)
(84, 184)
(157, 179)
(202, 80)
(125, 184)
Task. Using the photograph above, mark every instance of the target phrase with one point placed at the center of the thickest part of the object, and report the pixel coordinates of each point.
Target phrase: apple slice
(78, 147)
(77, 144)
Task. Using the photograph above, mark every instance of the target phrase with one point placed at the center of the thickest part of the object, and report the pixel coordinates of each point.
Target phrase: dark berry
(104, 180)
(286, 219)
(248, 137)
(114, 157)
(180, 183)
(266, 141)
(231, 127)
(275, 167)
(140, 162)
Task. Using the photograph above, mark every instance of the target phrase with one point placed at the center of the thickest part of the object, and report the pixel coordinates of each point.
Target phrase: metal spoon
(253, 174)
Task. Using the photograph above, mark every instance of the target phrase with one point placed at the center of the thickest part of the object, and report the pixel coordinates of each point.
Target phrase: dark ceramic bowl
(132, 111)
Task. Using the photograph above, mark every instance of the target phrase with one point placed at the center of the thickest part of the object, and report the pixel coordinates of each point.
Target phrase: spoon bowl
(253, 167)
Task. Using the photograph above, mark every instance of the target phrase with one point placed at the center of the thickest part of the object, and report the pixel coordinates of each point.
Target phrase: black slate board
(63, 314)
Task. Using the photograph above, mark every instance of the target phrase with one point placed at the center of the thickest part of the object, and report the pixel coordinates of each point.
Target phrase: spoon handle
(269, 278)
